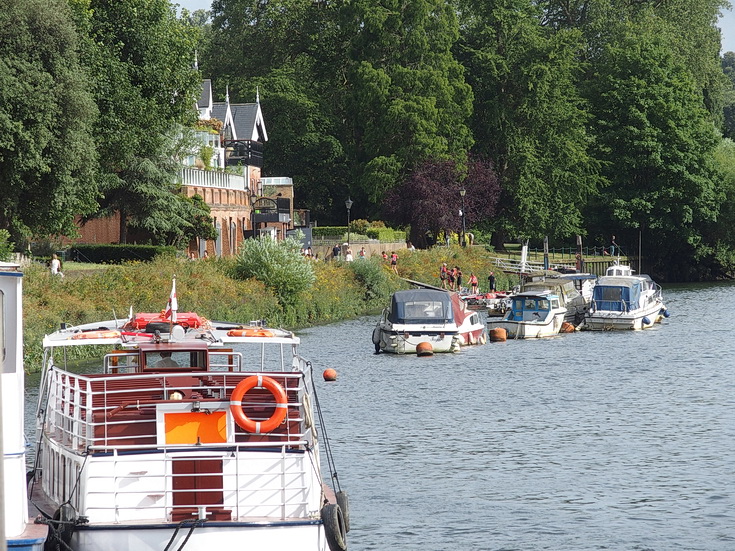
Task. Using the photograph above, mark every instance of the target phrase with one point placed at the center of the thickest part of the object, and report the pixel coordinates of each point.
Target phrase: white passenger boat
(190, 434)
(19, 532)
(427, 320)
(622, 300)
(531, 315)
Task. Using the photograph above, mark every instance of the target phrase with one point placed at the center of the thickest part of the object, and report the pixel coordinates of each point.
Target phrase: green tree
(529, 117)
(656, 140)
(287, 50)
(406, 96)
(47, 153)
(142, 59)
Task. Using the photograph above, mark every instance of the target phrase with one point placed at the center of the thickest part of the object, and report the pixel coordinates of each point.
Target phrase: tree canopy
(47, 148)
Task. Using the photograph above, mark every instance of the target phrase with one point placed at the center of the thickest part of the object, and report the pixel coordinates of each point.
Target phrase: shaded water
(619, 441)
(614, 440)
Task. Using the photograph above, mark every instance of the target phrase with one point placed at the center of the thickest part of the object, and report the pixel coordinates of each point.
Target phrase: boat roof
(544, 294)
(420, 294)
(215, 334)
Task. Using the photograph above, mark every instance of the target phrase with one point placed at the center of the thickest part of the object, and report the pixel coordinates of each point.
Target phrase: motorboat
(531, 315)
(20, 532)
(623, 300)
(584, 282)
(186, 433)
(569, 296)
(433, 320)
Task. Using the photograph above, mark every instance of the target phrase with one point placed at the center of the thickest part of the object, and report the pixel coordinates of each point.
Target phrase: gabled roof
(205, 98)
(248, 120)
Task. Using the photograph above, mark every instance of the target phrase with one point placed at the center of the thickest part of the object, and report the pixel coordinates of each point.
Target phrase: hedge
(386, 235)
(116, 254)
(328, 231)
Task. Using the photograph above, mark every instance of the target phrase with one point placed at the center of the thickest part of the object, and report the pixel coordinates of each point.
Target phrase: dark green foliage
(372, 275)
(117, 254)
(47, 151)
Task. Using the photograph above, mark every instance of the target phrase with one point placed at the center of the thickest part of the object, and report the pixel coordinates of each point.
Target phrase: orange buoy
(424, 349)
(330, 374)
(566, 327)
(498, 334)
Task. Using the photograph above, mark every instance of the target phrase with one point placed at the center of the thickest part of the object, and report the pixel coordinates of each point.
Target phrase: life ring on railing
(97, 335)
(250, 332)
(259, 427)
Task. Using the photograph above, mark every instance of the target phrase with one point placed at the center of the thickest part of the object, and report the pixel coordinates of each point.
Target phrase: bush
(117, 254)
(386, 235)
(277, 264)
(375, 279)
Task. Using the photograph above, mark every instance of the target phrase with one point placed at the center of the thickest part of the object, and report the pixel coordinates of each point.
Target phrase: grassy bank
(341, 291)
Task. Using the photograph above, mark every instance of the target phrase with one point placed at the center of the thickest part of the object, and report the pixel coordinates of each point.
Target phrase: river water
(611, 440)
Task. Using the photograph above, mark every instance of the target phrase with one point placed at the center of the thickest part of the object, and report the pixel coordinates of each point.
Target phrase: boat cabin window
(175, 360)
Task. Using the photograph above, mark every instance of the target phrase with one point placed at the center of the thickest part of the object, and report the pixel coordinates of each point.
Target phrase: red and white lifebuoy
(259, 427)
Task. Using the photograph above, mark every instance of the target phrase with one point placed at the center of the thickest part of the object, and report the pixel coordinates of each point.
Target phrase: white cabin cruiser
(421, 319)
(531, 315)
(622, 300)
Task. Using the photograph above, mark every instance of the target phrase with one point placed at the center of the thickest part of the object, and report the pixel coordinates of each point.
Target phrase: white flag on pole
(173, 304)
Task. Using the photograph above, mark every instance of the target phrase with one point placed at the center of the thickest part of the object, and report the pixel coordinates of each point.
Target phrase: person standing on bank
(491, 282)
(613, 247)
(394, 261)
(443, 275)
(473, 283)
(336, 251)
(56, 266)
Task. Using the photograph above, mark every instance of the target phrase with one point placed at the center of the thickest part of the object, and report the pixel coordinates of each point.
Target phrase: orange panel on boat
(193, 427)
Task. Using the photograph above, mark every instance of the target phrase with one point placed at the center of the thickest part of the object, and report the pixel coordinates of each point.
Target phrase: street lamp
(348, 204)
(462, 194)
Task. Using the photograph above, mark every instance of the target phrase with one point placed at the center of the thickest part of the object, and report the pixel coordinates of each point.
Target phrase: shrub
(278, 264)
(375, 279)
(117, 254)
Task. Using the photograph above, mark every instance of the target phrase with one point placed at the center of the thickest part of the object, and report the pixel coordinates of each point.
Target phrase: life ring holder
(259, 427)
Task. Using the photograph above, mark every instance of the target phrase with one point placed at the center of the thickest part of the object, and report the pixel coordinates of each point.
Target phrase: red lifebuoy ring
(259, 427)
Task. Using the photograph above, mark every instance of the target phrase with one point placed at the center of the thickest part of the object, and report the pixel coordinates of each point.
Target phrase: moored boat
(432, 316)
(190, 434)
(622, 300)
(569, 297)
(20, 533)
(531, 315)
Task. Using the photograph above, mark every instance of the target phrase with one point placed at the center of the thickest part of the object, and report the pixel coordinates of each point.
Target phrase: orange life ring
(259, 427)
(250, 332)
(97, 335)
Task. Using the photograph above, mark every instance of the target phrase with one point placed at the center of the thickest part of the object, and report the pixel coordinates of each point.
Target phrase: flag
(173, 304)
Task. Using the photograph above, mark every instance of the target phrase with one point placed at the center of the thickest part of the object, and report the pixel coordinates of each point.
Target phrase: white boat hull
(405, 341)
(643, 318)
(207, 537)
(529, 329)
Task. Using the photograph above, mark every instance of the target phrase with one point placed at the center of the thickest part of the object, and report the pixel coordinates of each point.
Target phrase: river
(612, 440)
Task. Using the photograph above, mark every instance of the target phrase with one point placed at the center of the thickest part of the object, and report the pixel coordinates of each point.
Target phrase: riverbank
(341, 291)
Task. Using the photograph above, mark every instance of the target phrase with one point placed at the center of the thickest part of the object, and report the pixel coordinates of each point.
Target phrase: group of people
(451, 279)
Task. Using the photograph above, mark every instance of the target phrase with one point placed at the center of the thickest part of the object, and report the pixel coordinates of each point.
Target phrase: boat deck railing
(147, 436)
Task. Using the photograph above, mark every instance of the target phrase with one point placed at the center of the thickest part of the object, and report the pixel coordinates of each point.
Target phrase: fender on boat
(334, 527)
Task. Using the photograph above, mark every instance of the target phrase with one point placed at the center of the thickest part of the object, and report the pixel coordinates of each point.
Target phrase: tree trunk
(123, 227)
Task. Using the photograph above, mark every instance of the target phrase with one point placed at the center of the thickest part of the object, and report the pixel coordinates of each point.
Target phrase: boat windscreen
(420, 309)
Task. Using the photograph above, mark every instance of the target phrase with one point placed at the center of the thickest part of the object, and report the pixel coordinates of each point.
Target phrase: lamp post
(462, 194)
(348, 204)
